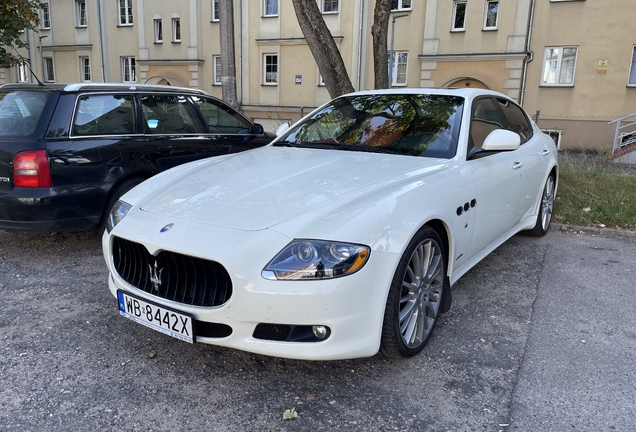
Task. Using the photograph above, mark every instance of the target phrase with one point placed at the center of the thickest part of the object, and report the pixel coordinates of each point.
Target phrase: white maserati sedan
(344, 236)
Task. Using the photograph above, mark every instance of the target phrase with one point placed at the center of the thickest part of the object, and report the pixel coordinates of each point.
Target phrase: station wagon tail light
(316, 259)
(31, 169)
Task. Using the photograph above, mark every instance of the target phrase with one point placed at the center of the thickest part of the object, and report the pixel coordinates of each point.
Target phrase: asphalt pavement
(541, 337)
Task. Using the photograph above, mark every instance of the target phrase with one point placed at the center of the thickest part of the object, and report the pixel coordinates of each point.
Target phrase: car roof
(78, 87)
(467, 93)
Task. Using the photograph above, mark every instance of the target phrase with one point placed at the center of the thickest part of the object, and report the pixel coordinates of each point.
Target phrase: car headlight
(316, 259)
(117, 213)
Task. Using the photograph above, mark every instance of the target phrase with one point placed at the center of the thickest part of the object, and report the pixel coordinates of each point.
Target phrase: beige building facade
(572, 60)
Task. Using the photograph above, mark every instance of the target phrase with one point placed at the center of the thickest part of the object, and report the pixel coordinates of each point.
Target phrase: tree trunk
(380, 30)
(323, 48)
(228, 65)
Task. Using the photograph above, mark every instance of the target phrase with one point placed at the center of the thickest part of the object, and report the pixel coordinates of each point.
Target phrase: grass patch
(594, 192)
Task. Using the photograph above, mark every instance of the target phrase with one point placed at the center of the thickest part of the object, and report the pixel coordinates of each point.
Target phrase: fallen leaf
(290, 414)
(332, 402)
(49, 328)
(152, 355)
(310, 397)
(128, 390)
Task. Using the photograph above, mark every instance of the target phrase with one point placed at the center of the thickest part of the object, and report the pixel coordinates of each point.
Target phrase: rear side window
(21, 112)
(517, 121)
(104, 115)
(220, 118)
(169, 115)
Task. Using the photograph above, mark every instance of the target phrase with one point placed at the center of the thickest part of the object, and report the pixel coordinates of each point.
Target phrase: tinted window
(517, 121)
(408, 124)
(104, 115)
(485, 119)
(169, 115)
(221, 118)
(20, 112)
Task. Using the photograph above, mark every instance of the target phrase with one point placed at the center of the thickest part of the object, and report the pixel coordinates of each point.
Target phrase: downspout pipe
(529, 54)
(240, 51)
(360, 31)
(101, 39)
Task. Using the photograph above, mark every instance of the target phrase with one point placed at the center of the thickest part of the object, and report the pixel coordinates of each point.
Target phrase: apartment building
(572, 60)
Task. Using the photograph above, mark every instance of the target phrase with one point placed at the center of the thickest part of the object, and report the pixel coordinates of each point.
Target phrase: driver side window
(221, 118)
(484, 120)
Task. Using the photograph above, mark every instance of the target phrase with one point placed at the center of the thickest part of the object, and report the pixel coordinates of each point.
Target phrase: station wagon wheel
(415, 296)
(545, 210)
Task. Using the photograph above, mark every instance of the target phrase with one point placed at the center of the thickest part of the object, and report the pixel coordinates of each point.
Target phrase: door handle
(545, 152)
(226, 146)
(517, 165)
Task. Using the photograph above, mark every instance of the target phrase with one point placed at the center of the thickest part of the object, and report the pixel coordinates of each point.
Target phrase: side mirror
(282, 129)
(501, 140)
(257, 128)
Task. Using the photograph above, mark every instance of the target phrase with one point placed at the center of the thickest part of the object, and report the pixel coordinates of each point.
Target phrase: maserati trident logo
(155, 276)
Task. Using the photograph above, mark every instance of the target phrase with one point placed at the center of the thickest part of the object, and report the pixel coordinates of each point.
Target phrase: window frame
(216, 63)
(129, 61)
(400, 6)
(45, 16)
(324, 10)
(395, 68)
(176, 29)
(49, 69)
(215, 17)
(76, 111)
(486, 10)
(158, 27)
(265, 82)
(543, 83)
(80, 12)
(454, 17)
(265, 9)
(84, 62)
(128, 18)
(22, 70)
(631, 78)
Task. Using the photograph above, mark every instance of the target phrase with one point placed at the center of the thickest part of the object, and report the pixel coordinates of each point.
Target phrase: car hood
(258, 189)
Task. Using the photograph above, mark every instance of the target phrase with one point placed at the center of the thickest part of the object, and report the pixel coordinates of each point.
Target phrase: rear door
(230, 130)
(174, 132)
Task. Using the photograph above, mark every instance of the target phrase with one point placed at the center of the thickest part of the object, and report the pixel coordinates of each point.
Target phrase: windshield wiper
(287, 144)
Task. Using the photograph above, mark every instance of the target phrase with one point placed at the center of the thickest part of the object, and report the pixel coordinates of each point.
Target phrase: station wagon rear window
(104, 115)
(21, 112)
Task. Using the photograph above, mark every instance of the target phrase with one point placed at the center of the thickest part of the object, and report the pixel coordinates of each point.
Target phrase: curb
(594, 229)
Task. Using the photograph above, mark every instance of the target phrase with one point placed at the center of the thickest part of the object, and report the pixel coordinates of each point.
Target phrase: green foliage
(594, 193)
(15, 16)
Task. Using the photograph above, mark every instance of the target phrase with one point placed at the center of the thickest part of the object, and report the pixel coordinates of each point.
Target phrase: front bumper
(351, 306)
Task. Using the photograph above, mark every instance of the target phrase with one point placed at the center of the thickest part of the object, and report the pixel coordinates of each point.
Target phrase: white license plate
(160, 318)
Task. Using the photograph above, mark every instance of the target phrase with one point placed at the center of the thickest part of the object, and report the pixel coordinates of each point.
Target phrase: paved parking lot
(541, 337)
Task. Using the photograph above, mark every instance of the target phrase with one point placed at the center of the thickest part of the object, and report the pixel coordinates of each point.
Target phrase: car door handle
(545, 152)
(517, 165)
(226, 146)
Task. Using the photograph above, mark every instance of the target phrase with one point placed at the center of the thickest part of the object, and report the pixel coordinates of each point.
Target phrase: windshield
(20, 112)
(406, 124)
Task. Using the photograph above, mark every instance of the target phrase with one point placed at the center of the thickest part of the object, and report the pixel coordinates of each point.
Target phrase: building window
(128, 72)
(80, 13)
(125, 12)
(330, 6)
(158, 30)
(270, 8)
(217, 69)
(49, 69)
(632, 71)
(45, 16)
(215, 10)
(398, 68)
(22, 70)
(558, 66)
(459, 15)
(397, 5)
(85, 68)
(270, 69)
(491, 15)
(176, 29)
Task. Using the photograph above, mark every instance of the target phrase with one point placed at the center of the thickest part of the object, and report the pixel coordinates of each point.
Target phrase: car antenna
(28, 64)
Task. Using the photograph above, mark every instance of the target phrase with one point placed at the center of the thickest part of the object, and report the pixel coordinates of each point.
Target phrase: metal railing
(625, 132)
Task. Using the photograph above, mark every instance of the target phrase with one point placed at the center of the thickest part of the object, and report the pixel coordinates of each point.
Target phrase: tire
(117, 193)
(544, 218)
(415, 297)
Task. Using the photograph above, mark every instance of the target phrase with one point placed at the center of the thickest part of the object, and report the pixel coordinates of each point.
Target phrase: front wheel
(415, 296)
(545, 210)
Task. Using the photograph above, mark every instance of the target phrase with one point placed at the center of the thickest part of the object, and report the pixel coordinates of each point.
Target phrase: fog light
(320, 331)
